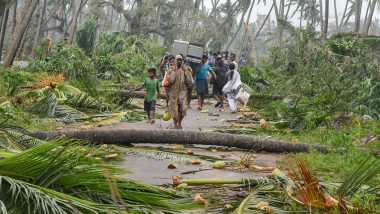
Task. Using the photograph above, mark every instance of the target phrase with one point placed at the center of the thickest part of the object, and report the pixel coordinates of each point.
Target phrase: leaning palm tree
(369, 15)
(245, 5)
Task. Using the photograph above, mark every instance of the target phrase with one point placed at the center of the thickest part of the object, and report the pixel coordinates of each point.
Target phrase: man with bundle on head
(178, 92)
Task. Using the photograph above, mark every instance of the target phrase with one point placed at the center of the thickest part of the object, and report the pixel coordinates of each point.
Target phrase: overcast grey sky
(264, 9)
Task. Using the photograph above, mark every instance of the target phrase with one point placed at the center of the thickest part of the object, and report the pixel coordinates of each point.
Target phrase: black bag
(189, 83)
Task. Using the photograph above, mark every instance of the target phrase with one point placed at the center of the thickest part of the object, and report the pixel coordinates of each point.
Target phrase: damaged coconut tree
(130, 136)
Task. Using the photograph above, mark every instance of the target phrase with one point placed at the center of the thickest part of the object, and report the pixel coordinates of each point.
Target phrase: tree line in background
(24, 24)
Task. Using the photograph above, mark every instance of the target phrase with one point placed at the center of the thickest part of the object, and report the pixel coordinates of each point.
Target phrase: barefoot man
(178, 92)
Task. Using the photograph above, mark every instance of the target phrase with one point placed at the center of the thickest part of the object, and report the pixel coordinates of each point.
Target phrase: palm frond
(3, 209)
(366, 170)
(6, 154)
(109, 119)
(245, 203)
(13, 137)
(266, 199)
(65, 166)
(169, 155)
(68, 114)
(22, 141)
(45, 107)
(84, 101)
(286, 25)
(81, 100)
(308, 191)
(15, 193)
(88, 83)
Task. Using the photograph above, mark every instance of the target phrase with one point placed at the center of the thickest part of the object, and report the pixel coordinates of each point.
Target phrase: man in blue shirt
(201, 83)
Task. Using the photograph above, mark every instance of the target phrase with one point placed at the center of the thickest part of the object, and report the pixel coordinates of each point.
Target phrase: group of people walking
(179, 77)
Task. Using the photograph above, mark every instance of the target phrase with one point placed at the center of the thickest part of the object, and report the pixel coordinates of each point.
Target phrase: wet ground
(155, 170)
(194, 121)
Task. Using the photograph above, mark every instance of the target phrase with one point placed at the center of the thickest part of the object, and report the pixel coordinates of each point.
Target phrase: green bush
(70, 60)
(335, 76)
(85, 35)
(13, 78)
(110, 43)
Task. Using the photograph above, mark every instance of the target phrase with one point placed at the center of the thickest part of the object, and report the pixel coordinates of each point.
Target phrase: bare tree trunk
(1, 18)
(301, 17)
(157, 24)
(112, 10)
(336, 16)
(3, 29)
(366, 15)
(246, 27)
(75, 21)
(261, 27)
(187, 25)
(358, 9)
(22, 24)
(369, 20)
(321, 22)
(237, 30)
(2, 11)
(279, 26)
(326, 25)
(125, 26)
(344, 15)
(14, 16)
(118, 21)
(130, 136)
(287, 11)
(255, 53)
(40, 19)
(21, 45)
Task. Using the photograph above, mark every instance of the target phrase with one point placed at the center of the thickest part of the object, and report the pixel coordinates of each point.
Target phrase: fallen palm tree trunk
(130, 136)
(141, 94)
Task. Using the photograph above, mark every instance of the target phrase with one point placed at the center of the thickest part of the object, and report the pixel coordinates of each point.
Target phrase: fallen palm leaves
(247, 161)
(45, 79)
(308, 191)
(278, 193)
